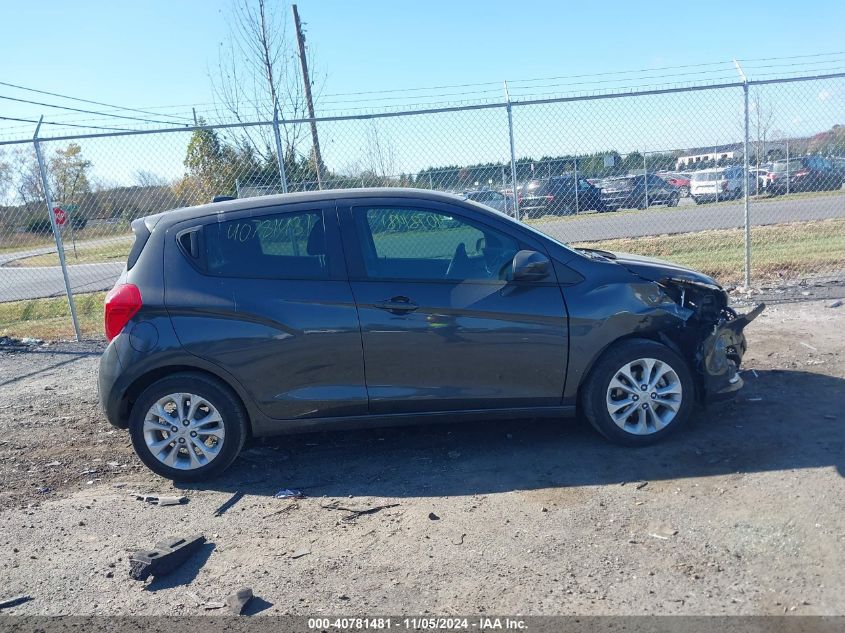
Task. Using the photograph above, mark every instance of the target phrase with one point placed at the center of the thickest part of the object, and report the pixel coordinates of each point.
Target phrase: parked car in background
(559, 195)
(717, 183)
(492, 199)
(638, 192)
(808, 173)
(759, 177)
(374, 307)
(679, 180)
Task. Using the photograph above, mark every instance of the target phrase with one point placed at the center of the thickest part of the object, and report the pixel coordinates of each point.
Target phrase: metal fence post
(747, 218)
(279, 154)
(60, 249)
(645, 178)
(513, 153)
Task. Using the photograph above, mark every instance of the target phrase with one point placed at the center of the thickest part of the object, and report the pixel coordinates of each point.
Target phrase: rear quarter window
(278, 246)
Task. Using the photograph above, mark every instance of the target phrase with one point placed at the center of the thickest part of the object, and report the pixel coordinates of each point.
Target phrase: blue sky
(158, 53)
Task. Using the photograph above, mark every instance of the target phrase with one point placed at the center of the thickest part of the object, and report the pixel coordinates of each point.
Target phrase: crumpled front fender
(720, 354)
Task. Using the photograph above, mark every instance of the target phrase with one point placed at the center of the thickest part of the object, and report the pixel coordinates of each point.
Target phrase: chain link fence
(742, 180)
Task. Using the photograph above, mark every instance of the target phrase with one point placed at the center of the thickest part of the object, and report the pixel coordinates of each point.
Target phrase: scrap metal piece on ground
(13, 602)
(161, 501)
(238, 600)
(164, 558)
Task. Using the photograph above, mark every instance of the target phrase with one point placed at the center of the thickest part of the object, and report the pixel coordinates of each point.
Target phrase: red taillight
(803, 172)
(122, 303)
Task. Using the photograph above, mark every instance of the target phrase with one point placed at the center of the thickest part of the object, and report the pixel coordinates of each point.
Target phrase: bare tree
(379, 157)
(26, 176)
(257, 72)
(148, 179)
(5, 177)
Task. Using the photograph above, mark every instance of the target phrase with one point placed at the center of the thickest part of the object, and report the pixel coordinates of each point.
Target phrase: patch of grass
(11, 241)
(50, 318)
(111, 251)
(780, 250)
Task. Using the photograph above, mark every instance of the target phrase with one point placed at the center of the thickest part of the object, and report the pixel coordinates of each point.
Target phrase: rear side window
(279, 246)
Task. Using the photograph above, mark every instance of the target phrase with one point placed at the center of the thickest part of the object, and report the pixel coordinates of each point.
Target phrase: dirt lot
(741, 513)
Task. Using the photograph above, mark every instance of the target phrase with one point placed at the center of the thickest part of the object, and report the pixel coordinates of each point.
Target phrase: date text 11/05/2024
(418, 623)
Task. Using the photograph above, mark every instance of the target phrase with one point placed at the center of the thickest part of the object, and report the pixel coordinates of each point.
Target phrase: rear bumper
(107, 378)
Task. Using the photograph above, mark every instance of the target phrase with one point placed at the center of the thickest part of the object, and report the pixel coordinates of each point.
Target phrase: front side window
(420, 244)
(278, 246)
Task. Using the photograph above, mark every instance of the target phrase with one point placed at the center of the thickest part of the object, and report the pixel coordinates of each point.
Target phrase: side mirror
(530, 266)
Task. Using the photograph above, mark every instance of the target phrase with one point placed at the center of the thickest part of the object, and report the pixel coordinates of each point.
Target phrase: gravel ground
(740, 513)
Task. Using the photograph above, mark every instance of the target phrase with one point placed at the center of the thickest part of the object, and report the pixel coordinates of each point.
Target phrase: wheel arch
(140, 383)
(652, 337)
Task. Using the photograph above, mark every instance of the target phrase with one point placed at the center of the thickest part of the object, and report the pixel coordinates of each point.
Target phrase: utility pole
(318, 157)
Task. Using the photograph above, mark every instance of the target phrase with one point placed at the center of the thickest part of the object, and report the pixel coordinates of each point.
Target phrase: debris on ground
(161, 501)
(355, 513)
(238, 600)
(642, 485)
(302, 551)
(208, 606)
(7, 603)
(166, 556)
(237, 496)
(433, 516)
(835, 304)
(661, 531)
(292, 506)
(287, 493)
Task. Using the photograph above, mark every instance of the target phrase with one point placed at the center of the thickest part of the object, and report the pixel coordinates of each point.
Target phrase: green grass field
(788, 250)
(111, 251)
(50, 318)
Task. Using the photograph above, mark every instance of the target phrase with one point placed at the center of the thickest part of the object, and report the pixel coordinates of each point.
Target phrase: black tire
(595, 391)
(673, 200)
(220, 395)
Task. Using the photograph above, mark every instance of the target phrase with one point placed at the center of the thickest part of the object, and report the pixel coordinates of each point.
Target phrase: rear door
(267, 299)
(442, 328)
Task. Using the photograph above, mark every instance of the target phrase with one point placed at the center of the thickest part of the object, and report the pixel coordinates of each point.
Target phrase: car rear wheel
(673, 200)
(638, 392)
(188, 427)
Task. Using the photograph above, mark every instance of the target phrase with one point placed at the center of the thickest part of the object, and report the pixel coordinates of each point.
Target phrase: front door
(442, 326)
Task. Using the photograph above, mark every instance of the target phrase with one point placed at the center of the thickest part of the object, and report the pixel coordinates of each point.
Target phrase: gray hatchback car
(368, 307)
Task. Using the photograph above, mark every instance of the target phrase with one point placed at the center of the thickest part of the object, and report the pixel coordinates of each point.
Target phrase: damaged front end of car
(712, 334)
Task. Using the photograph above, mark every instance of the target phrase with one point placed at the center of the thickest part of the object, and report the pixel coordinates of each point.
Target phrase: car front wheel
(638, 392)
(187, 427)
